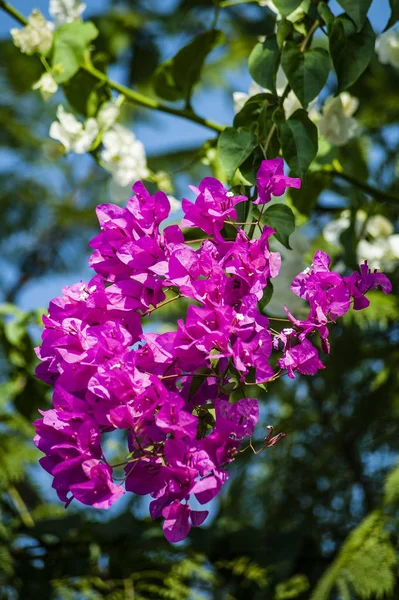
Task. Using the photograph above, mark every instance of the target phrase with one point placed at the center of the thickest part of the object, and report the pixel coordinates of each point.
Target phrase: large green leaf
(70, 43)
(351, 51)
(286, 7)
(357, 10)
(263, 63)
(307, 72)
(298, 139)
(281, 218)
(235, 146)
(313, 184)
(175, 78)
(84, 94)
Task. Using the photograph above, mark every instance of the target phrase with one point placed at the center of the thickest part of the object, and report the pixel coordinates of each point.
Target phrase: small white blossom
(175, 204)
(387, 48)
(291, 103)
(37, 36)
(46, 85)
(336, 123)
(72, 134)
(109, 113)
(66, 11)
(379, 245)
(124, 156)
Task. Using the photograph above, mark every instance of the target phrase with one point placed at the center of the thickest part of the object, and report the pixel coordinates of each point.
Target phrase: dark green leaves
(298, 139)
(281, 218)
(394, 4)
(263, 63)
(70, 43)
(356, 10)
(286, 7)
(175, 78)
(351, 51)
(235, 146)
(307, 72)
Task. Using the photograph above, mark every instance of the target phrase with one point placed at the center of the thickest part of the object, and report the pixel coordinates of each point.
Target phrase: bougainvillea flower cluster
(170, 392)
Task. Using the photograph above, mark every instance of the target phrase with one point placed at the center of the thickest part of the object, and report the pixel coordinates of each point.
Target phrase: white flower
(72, 134)
(291, 103)
(109, 113)
(336, 123)
(124, 156)
(387, 48)
(47, 86)
(175, 204)
(37, 36)
(379, 246)
(66, 11)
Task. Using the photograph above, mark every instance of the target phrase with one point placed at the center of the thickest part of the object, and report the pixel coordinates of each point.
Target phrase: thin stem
(13, 12)
(276, 319)
(309, 35)
(142, 100)
(21, 507)
(366, 187)
(164, 303)
(131, 95)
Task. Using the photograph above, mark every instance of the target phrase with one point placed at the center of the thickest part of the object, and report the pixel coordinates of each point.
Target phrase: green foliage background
(314, 517)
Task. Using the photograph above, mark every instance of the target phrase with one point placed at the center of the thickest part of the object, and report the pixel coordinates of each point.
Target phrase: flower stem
(368, 189)
(130, 95)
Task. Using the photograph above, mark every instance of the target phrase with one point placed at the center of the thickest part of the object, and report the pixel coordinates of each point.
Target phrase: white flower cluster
(66, 11)
(379, 245)
(336, 123)
(122, 155)
(387, 48)
(38, 35)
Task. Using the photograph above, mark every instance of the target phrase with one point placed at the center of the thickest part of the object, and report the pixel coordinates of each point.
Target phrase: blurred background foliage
(317, 515)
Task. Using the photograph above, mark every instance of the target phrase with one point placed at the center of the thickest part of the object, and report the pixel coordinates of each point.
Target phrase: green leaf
(325, 13)
(351, 51)
(263, 63)
(70, 43)
(286, 7)
(235, 145)
(175, 78)
(313, 184)
(298, 139)
(284, 29)
(267, 296)
(357, 10)
(85, 94)
(307, 72)
(394, 18)
(281, 218)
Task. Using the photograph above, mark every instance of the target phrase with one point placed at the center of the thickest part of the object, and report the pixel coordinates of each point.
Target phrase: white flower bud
(109, 113)
(37, 36)
(72, 134)
(46, 85)
(387, 48)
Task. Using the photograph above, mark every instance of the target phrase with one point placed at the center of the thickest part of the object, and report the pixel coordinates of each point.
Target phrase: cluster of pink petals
(170, 391)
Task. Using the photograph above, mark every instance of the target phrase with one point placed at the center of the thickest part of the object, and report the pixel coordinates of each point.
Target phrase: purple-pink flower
(271, 180)
(170, 392)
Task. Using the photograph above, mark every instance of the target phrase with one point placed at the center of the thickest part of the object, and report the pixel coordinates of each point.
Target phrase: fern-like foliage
(365, 564)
